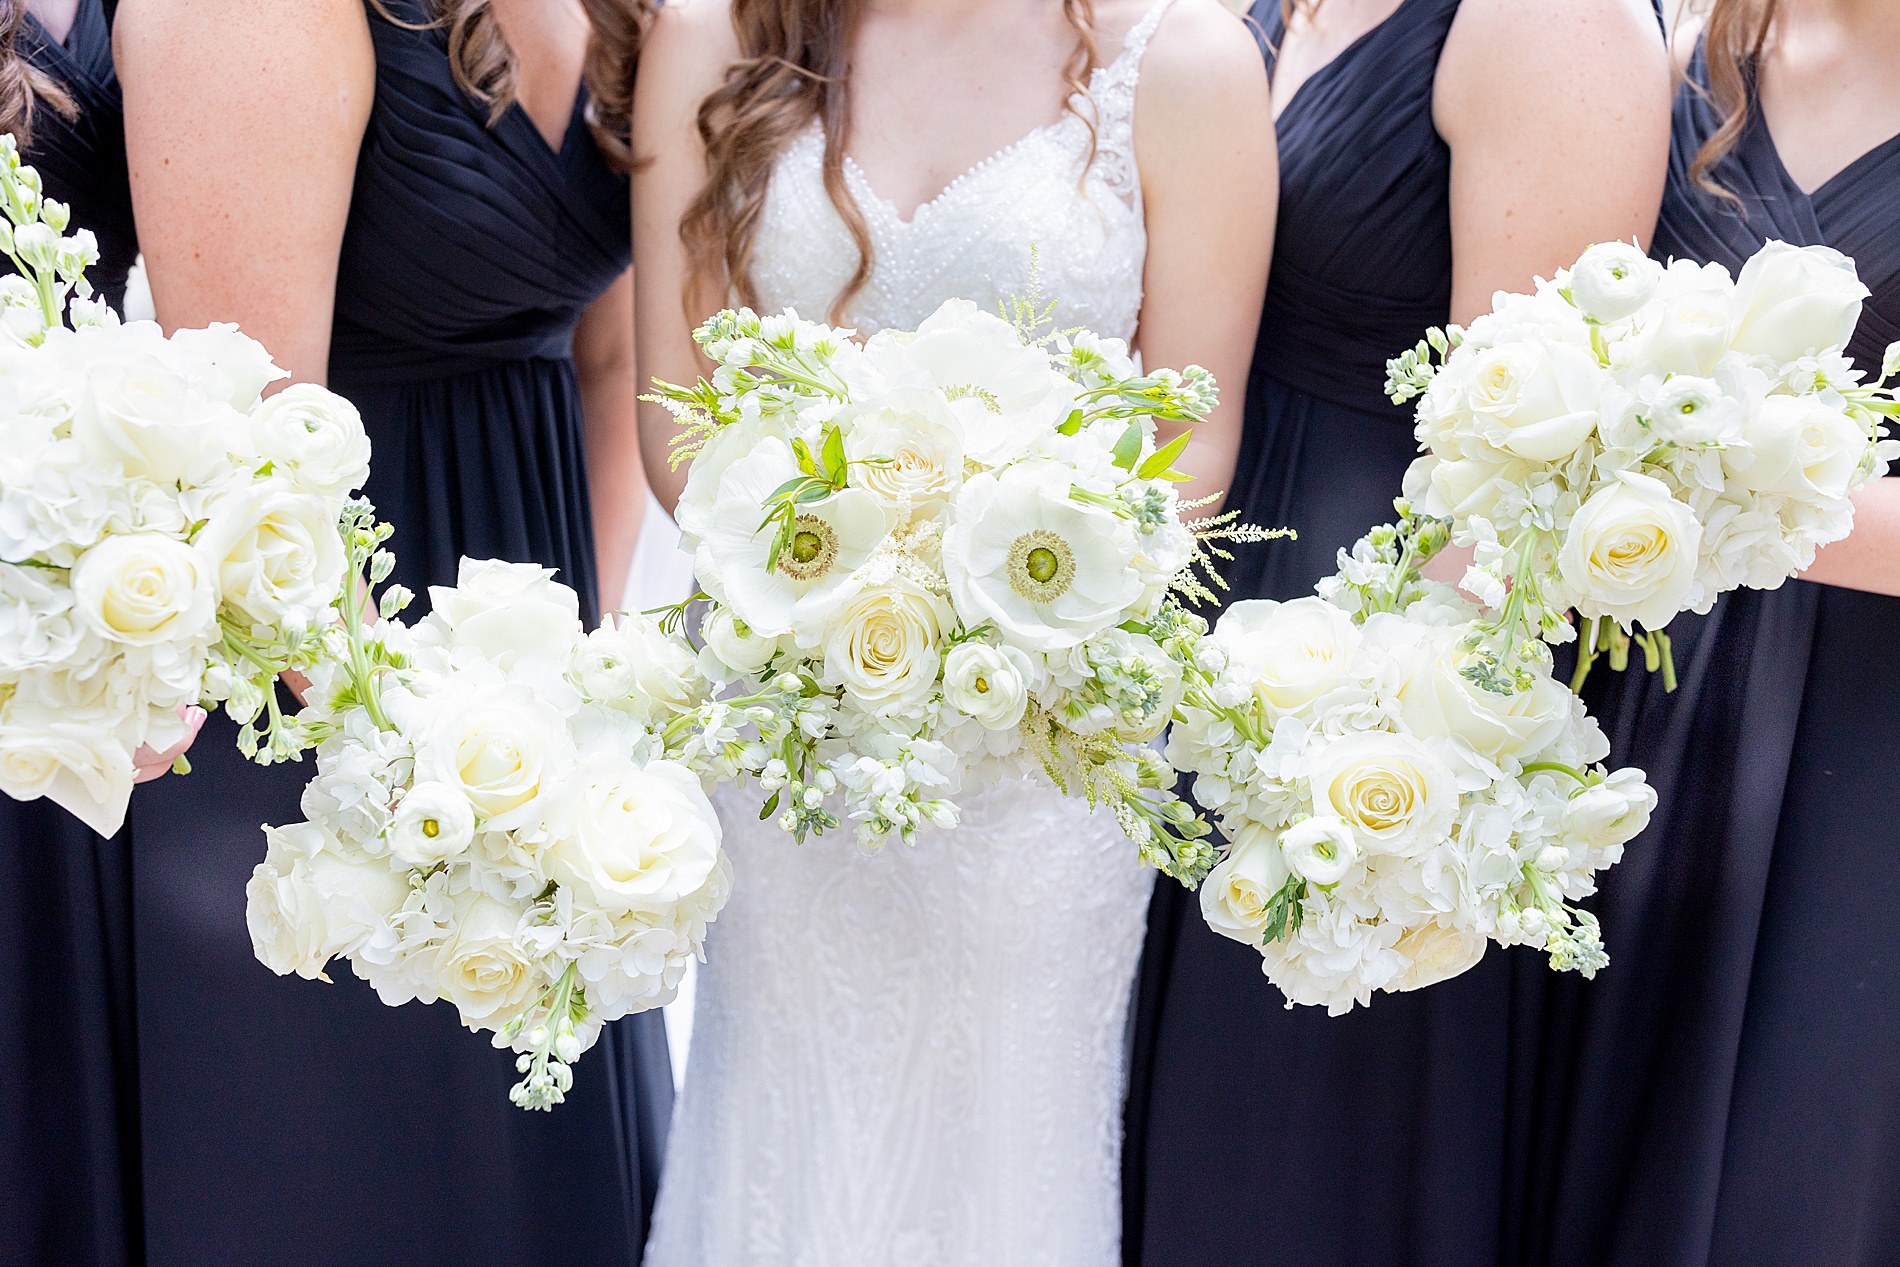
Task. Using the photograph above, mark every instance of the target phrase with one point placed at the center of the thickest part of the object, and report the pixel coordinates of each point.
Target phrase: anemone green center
(1041, 566)
(813, 548)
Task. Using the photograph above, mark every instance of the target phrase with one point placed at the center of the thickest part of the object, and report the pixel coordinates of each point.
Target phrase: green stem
(1557, 767)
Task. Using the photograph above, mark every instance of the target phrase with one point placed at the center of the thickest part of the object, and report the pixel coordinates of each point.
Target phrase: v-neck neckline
(1339, 59)
(576, 117)
(1866, 158)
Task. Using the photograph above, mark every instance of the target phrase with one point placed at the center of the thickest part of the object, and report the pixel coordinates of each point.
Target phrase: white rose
(734, 642)
(502, 748)
(1611, 813)
(483, 969)
(907, 449)
(1612, 280)
(433, 823)
(882, 646)
(1797, 445)
(1236, 893)
(1319, 850)
(985, 683)
(1792, 301)
(151, 422)
(1686, 333)
(1438, 954)
(1535, 400)
(1396, 795)
(645, 839)
(1693, 412)
(276, 553)
(666, 674)
(74, 761)
(1439, 700)
(1288, 653)
(314, 437)
(307, 903)
(143, 588)
(222, 358)
(285, 915)
(1630, 552)
(507, 610)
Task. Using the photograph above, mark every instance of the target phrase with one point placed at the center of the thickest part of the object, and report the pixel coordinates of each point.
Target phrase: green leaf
(1128, 448)
(771, 807)
(802, 452)
(813, 493)
(785, 488)
(834, 456)
(1285, 911)
(1073, 423)
(1161, 462)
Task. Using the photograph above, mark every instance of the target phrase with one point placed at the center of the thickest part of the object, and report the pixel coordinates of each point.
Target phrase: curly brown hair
(24, 86)
(794, 66)
(1734, 35)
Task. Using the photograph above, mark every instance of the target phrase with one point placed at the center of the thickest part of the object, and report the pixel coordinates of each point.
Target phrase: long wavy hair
(484, 66)
(794, 66)
(1735, 33)
(23, 86)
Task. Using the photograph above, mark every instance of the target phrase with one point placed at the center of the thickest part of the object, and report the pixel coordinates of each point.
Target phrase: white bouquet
(493, 820)
(166, 537)
(1633, 440)
(1388, 813)
(948, 551)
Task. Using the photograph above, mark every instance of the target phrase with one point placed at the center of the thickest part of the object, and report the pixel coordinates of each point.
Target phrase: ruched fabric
(1727, 1091)
(288, 1120)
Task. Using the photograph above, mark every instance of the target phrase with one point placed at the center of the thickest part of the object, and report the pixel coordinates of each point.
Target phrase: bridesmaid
(1728, 1090)
(417, 204)
(1430, 154)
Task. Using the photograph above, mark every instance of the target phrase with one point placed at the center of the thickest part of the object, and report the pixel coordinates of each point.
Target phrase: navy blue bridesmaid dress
(292, 1121)
(69, 1113)
(1727, 1092)
(1256, 1134)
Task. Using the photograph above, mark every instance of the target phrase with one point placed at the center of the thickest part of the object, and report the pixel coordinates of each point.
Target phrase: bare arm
(610, 390)
(1869, 557)
(1210, 183)
(242, 125)
(685, 59)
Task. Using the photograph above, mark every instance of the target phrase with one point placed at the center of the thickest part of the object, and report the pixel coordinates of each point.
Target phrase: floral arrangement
(167, 538)
(952, 551)
(1633, 440)
(494, 820)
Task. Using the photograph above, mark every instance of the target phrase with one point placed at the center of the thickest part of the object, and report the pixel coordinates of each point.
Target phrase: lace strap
(1112, 94)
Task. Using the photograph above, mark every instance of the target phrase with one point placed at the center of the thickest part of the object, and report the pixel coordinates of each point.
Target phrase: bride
(917, 1057)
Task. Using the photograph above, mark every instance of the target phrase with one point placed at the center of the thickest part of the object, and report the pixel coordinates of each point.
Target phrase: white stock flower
(1793, 301)
(505, 611)
(1320, 849)
(1397, 796)
(433, 823)
(1288, 654)
(143, 588)
(906, 449)
(1437, 953)
(643, 840)
(882, 646)
(1797, 445)
(986, 683)
(226, 362)
(275, 551)
(503, 748)
(1630, 552)
(38, 626)
(1048, 572)
(1534, 399)
(1439, 700)
(1235, 895)
(484, 970)
(314, 437)
(1611, 280)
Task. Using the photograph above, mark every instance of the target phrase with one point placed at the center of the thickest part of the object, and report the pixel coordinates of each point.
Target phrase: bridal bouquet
(948, 550)
(166, 538)
(493, 820)
(1389, 810)
(1633, 440)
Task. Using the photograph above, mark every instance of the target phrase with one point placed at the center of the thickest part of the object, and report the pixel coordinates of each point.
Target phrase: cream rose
(1394, 793)
(644, 839)
(483, 969)
(1466, 486)
(313, 437)
(1792, 301)
(306, 903)
(1320, 849)
(1611, 280)
(1292, 652)
(1686, 333)
(1439, 700)
(906, 449)
(986, 683)
(143, 588)
(882, 646)
(1437, 953)
(1630, 552)
(1236, 893)
(1534, 400)
(151, 422)
(433, 823)
(503, 749)
(77, 763)
(276, 553)
(508, 610)
(1797, 445)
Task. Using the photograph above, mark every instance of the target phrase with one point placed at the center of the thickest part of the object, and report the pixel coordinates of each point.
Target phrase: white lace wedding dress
(916, 1058)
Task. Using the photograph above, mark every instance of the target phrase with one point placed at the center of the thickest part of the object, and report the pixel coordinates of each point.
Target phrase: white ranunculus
(1289, 653)
(1048, 572)
(1236, 893)
(1792, 301)
(484, 969)
(1797, 445)
(275, 551)
(220, 356)
(907, 449)
(1397, 796)
(1611, 813)
(1320, 849)
(314, 437)
(1630, 552)
(72, 760)
(1612, 280)
(1438, 954)
(985, 683)
(508, 610)
(734, 642)
(504, 749)
(151, 422)
(1533, 399)
(433, 823)
(644, 839)
(1694, 412)
(143, 588)
(631, 664)
(1439, 700)
(882, 646)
